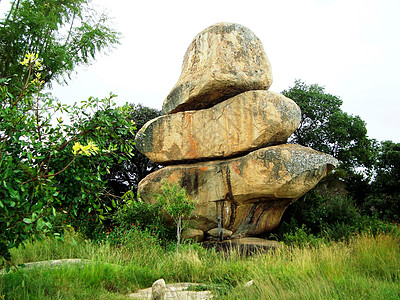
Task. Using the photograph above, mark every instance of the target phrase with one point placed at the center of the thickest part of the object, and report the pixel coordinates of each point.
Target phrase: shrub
(314, 210)
(177, 204)
(143, 216)
(330, 217)
(386, 207)
(46, 164)
(301, 236)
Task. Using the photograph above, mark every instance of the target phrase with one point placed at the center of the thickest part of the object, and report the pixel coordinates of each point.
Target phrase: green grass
(365, 267)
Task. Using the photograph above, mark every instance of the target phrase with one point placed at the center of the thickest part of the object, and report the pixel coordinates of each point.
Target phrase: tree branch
(52, 175)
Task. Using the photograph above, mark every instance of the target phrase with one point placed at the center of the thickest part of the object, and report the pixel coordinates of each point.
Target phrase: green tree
(49, 167)
(384, 200)
(177, 204)
(388, 168)
(126, 175)
(64, 34)
(325, 127)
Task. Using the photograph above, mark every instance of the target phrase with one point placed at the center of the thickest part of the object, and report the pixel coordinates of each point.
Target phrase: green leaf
(40, 224)
(14, 194)
(27, 221)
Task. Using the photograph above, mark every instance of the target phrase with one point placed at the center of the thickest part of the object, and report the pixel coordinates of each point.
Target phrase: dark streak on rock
(190, 181)
(233, 214)
(229, 194)
(250, 216)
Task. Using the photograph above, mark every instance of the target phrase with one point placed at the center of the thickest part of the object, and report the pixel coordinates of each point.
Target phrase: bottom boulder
(247, 194)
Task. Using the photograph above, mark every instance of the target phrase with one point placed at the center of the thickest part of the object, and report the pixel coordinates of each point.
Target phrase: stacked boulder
(223, 138)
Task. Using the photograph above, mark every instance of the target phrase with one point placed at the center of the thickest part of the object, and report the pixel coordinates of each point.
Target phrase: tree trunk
(178, 233)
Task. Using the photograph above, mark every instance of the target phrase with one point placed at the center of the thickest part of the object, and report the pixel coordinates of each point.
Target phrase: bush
(339, 231)
(373, 225)
(301, 236)
(145, 217)
(319, 212)
(386, 207)
(315, 218)
(46, 164)
(174, 200)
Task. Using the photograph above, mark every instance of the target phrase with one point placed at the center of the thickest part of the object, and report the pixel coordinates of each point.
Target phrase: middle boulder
(248, 121)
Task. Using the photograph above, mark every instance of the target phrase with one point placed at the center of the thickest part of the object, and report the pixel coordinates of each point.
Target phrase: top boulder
(224, 60)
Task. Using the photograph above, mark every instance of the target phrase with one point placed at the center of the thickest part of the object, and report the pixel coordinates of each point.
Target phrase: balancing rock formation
(223, 138)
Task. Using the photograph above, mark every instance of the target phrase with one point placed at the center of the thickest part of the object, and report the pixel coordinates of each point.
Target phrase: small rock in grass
(158, 290)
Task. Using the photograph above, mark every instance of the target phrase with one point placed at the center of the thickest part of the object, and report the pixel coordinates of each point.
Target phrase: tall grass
(365, 267)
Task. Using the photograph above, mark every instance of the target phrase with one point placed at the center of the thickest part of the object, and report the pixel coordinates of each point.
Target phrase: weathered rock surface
(250, 193)
(215, 233)
(193, 234)
(222, 61)
(49, 263)
(174, 291)
(248, 121)
(221, 116)
(158, 290)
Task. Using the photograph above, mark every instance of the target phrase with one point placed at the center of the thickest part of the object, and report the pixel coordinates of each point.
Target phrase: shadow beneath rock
(245, 246)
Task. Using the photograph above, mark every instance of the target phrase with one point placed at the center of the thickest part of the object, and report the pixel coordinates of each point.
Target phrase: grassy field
(365, 267)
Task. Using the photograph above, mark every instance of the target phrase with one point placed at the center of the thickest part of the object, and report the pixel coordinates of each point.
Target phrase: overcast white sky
(351, 47)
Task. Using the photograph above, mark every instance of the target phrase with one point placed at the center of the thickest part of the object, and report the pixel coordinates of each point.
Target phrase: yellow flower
(93, 147)
(76, 148)
(32, 58)
(37, 80)
(87, 150)
(38, 64)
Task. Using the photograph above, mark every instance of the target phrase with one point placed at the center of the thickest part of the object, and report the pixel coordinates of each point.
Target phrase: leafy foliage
(126, 175)
(177, 204)
(388, 168)
(64, 34)
(325, 127)
(384, 200)
(147, 217)
(318, 212)
(39, 170)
